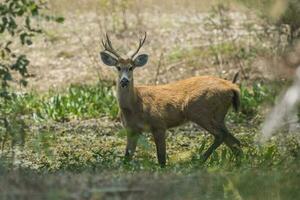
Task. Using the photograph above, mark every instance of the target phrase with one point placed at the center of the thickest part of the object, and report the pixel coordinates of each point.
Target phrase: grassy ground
(71, 154)
(66, 142)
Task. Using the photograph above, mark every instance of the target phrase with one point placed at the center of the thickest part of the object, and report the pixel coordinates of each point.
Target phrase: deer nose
(124, 82)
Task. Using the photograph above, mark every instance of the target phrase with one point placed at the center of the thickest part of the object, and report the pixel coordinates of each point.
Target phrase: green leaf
(27, 21)
(23, 38)
(60, 19)
(28, 42)
(23, 82)
(7, 77)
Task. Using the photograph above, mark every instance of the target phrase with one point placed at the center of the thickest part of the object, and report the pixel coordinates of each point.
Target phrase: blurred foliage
(252, 98)
(254, 101)
(117, 10)
(12, 124)
(279, 12)
(229, 47)
(18, 26)
(202, 184)
(9, 12)
(219, 19)
(291, 17)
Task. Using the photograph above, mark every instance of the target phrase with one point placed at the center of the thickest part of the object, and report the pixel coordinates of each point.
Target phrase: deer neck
(126, 96)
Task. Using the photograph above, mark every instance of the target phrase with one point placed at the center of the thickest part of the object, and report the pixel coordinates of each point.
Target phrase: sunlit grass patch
(80, 101)
(76, 102)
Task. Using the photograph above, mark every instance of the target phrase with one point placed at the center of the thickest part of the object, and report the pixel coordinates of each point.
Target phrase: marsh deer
(204, 100)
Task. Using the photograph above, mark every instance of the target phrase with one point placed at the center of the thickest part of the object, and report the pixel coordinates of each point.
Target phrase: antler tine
(108, 41)
(141, 43)
(103, 44)
(108, 47)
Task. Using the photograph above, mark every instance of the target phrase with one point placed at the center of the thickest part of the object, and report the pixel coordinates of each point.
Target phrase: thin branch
(158, 68)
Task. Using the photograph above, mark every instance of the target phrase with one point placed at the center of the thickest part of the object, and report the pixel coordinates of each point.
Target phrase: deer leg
(160, 142)
(233, 143)
(132, 139)
(217, 142)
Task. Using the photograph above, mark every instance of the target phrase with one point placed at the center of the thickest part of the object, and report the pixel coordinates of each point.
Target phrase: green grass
(88, 149)
(254, 99)
(66, 163)
(77, 102)
(92, 101)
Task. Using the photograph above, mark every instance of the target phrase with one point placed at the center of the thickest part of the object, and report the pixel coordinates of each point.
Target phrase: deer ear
(108, 59)
(140, 60)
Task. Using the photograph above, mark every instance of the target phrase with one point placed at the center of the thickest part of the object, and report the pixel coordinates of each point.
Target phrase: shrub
(16, 28)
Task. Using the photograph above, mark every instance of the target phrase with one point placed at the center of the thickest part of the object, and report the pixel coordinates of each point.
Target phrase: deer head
(125, 66)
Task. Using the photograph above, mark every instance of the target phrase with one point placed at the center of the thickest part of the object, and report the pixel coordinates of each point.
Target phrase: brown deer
(204, 100)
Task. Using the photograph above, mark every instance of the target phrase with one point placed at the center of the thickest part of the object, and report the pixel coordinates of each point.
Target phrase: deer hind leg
(219, 136)
(218, 140)
(232, 142)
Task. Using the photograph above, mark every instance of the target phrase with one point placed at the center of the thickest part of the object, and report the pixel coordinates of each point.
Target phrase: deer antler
(142, 41)
(108, 46)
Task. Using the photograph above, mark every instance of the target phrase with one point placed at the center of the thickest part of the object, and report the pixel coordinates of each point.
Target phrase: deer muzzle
(124, 82)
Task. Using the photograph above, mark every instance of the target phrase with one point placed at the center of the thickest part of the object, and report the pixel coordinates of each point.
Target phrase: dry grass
(179, 42)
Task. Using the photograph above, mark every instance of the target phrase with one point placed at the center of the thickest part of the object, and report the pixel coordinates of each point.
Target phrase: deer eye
(130, 68)
(119, 68)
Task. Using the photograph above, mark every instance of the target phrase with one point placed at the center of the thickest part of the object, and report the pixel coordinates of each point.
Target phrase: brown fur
(204, 100)
(200, 99)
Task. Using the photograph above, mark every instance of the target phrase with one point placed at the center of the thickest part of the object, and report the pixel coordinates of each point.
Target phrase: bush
(17, 27)
(253, 99)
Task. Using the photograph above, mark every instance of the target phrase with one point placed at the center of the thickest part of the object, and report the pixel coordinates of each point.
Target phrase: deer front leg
(132, 139)
(160, 142)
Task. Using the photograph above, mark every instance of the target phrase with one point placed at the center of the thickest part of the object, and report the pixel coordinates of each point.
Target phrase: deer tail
(235, 77)
(236, 100)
